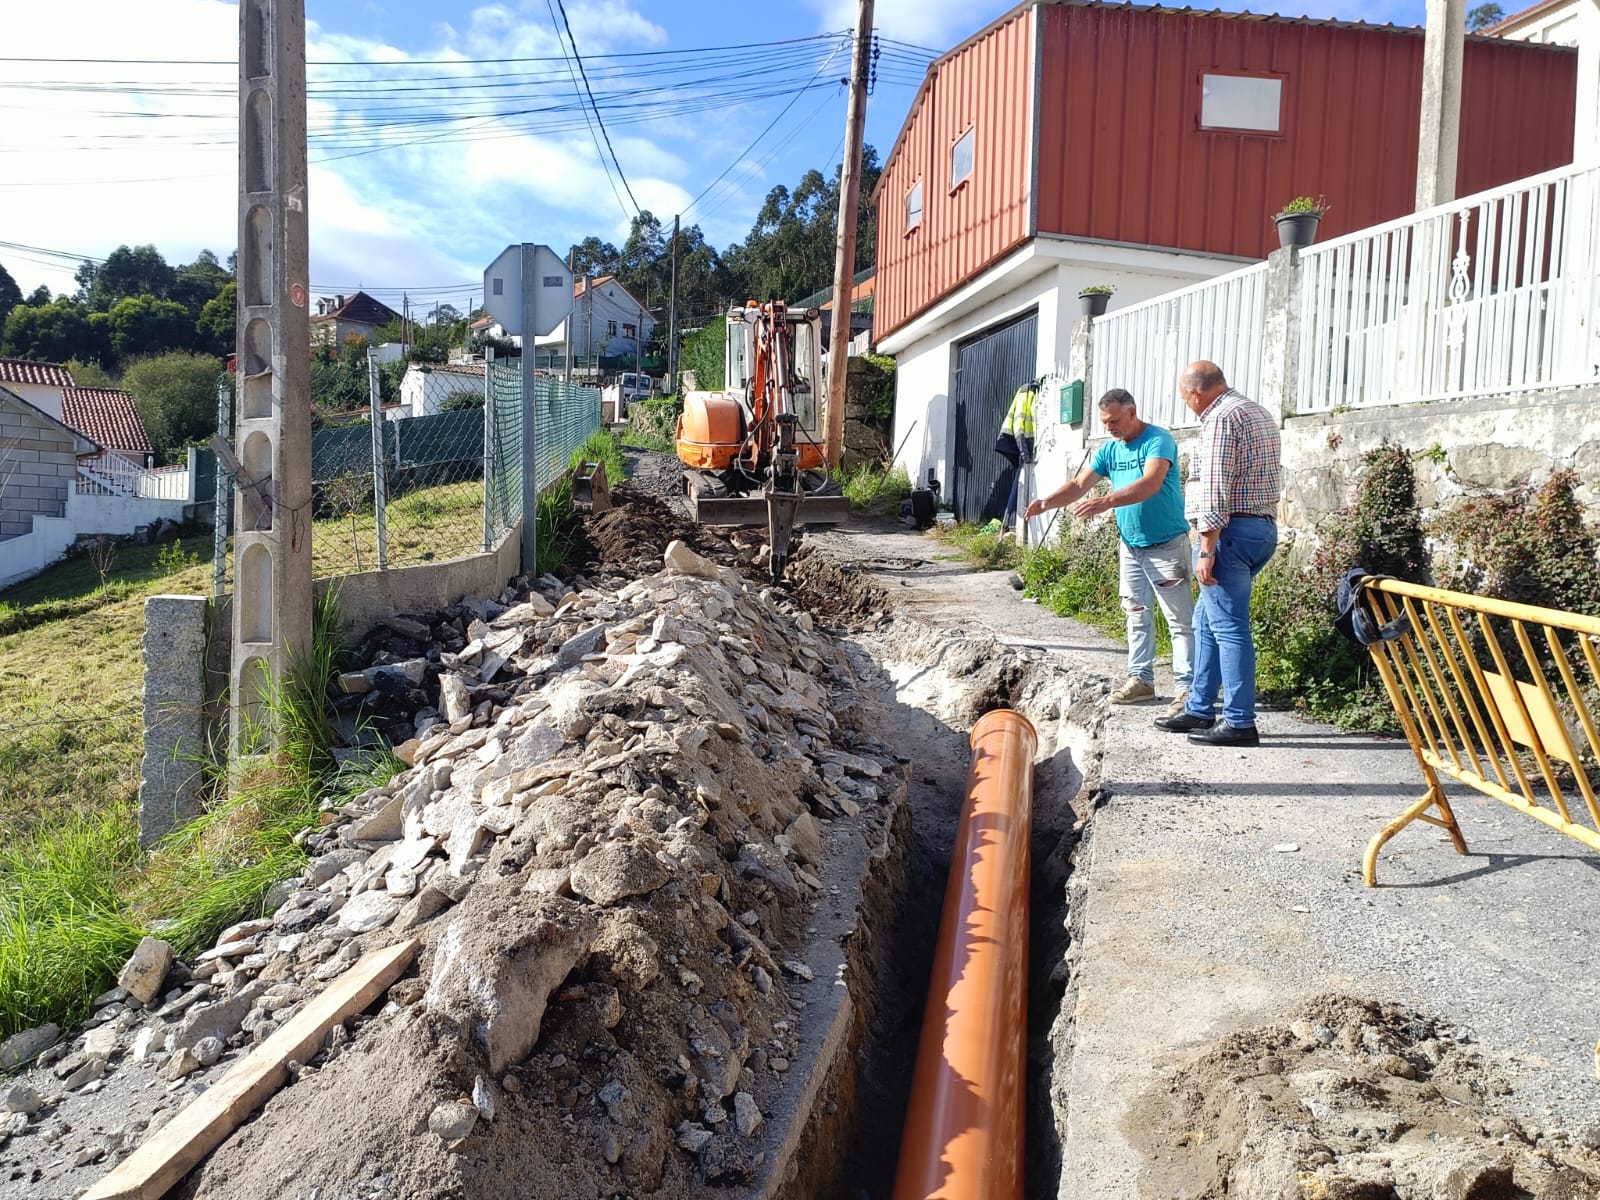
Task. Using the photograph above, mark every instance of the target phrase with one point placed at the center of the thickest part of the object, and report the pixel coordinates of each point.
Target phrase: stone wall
(866, 439)
(37, 468)
(1491, 442)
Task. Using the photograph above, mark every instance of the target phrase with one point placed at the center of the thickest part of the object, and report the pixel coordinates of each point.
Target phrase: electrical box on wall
(1072, 402)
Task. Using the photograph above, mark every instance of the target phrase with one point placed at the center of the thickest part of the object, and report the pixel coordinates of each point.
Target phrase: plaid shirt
(1238, 463)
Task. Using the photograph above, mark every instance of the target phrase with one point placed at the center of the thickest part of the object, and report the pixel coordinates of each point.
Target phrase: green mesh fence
(565, 416)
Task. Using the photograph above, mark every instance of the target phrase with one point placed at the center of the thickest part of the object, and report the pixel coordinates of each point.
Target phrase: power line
(598, 121)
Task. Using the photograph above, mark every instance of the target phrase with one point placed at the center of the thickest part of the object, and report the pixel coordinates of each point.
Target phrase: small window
(1240, 102)
(961, 160)
(914, 206)
(627, 331)
(611, 329)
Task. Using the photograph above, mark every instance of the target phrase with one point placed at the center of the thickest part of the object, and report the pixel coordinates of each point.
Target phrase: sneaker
(1133, 691)
(1184, 722)
(1179, 703)
(1223, 734)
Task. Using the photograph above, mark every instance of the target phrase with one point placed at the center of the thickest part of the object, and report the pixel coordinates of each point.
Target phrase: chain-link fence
(392, 489)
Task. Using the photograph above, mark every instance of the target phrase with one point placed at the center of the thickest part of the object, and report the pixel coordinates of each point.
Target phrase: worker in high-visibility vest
(1015, 443)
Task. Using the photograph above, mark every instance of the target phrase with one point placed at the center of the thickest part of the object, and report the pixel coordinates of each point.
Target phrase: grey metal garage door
(989, 368)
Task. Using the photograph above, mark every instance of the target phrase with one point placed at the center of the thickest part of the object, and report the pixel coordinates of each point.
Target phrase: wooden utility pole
(672, 315)
(844, 261)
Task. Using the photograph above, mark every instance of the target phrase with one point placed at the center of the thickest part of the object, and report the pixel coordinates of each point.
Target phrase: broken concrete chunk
(146, 968)
(219, 1020)
(452, 1121)
(101, 1041)
(807, 838)
(20, 1098)
(497, 963)
(678, 557)
(369, 911)
(454, 700)
(746, 1113)
(26, 1046)
(576, 647)
(208, 1051)
(382, 824)
(356, 683)
(483, 1097)
(617, 870)
(553, 881)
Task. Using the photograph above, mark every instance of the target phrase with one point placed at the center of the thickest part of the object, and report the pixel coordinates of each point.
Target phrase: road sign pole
(530, 420)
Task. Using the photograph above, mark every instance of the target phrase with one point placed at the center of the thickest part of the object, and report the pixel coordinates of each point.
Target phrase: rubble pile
(622, 815)
(1355, 1099)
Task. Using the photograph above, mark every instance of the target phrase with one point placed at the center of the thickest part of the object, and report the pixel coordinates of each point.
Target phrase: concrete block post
(1440, 133)
(1280, 335)
(1080, 365)
(173, 772)
(272, 422)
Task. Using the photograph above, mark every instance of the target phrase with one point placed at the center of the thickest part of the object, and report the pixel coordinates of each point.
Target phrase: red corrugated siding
(1122, 158)
(986, 86)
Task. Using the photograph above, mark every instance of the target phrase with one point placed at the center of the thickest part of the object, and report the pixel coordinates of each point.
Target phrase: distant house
(338, 317)
(606, 320)
(425, 388)
(109, 418)
(39, 383)
(38, 467)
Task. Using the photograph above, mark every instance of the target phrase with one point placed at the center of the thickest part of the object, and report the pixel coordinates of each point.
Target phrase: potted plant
(1297, 221)
(1095, 297)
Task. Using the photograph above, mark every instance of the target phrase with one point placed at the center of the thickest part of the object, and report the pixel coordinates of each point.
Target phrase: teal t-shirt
(1160, 517)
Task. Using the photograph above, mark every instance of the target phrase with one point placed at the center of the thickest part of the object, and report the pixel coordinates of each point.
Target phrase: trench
(933, 688)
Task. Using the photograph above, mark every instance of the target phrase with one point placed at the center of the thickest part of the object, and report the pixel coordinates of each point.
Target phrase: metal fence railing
(1497, 292)
(1144, 347)
(393, 490)
(1496, 695)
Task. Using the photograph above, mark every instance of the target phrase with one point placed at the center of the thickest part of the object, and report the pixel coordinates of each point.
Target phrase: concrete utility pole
(1440, 133)
(844, 261)
(672, 314)
(272, 424)
(567, 328)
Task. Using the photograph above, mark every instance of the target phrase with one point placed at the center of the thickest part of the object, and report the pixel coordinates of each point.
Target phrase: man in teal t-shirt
(1141, 461)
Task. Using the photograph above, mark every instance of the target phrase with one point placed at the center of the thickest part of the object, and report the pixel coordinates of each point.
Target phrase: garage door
(989, 368)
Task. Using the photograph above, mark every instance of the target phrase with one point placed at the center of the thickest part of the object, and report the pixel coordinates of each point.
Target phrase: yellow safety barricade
(1497, 695)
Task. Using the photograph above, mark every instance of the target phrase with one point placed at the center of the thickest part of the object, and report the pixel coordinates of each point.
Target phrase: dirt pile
(625, 817)
(1353, 1100)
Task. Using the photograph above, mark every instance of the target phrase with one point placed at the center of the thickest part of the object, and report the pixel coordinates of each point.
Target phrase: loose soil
(1351, 1099)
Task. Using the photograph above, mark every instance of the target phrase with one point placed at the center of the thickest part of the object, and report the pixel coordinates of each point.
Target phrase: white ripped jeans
(1162, 572)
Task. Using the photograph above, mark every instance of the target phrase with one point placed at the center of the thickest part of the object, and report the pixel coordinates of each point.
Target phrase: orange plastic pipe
(964, 1126)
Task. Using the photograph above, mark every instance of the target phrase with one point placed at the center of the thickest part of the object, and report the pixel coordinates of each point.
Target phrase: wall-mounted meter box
(1072, 402)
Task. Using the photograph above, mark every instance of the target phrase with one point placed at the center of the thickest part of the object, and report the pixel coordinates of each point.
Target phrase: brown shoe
(1178, 702)
(1133, 691)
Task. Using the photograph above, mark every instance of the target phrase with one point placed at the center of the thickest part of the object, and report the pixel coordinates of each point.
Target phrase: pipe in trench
(964, 1125)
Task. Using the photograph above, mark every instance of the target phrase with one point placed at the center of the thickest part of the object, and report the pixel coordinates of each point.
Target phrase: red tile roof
(19, 370)
(107, 416)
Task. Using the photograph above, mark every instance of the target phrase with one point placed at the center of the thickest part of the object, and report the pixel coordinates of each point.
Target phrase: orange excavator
(754, 449)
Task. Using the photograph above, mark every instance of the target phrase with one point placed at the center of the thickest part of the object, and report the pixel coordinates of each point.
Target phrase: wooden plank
(177, 1148)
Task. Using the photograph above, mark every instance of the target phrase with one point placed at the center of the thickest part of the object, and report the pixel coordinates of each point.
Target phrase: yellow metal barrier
(1499, 696)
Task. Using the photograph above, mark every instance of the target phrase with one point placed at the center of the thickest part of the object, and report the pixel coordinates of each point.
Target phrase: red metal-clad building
(1166, 129)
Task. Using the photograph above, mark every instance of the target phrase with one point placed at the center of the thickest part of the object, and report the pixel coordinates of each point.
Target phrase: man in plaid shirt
(1233, 502)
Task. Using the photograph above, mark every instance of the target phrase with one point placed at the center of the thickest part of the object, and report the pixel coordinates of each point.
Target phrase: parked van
(636, 387)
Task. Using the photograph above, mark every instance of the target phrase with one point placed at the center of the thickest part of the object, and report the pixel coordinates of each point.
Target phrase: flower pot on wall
(1094, 303)
(1297, 229)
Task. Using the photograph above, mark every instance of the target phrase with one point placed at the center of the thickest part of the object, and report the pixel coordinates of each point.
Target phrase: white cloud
(938, 24)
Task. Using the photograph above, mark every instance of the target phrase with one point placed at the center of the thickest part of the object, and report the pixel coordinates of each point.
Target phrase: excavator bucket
(733, 511)
(589, 489)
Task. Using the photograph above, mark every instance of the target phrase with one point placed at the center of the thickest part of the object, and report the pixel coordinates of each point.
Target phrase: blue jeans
(1225, 653)
(1161, 572)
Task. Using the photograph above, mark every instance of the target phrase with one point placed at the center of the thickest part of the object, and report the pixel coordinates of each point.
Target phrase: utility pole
(588, 340)
(844, 262)
(638, 341)
(672, 314)
(567, 325)
(1440, 133)
(272, 597)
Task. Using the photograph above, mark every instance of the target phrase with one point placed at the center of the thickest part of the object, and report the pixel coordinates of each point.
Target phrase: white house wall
(1047, 274)
(610, 303)
(43, 397)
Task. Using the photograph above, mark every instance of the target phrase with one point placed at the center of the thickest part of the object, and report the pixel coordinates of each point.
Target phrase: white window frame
(914, 190)
(1217, 125)
(970, 140)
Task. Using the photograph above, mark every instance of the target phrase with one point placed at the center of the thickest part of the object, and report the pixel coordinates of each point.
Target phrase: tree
(216, 331)
(39, 297)
(176, 395)
(1484, 15)
(89, 374)
(10, 294)
(47, 332)
(126, 273)
(148, 325)
(196, 284)
(592, 257)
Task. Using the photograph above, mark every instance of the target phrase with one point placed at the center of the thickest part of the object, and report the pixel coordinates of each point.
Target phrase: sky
(443, 130)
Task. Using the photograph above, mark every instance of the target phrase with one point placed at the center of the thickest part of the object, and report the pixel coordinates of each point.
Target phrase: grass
(76, 893)
(981, 545)
(653, 425)
(872, 488)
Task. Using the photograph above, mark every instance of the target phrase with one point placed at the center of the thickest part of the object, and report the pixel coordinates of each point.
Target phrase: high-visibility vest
(1019, 420)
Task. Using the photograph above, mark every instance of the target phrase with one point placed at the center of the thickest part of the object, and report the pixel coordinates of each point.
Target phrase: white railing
(1493, 293)
(110, 475)
(1144, 347)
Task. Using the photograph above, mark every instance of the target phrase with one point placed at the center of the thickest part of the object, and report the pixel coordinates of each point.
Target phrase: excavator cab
(753, 451)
